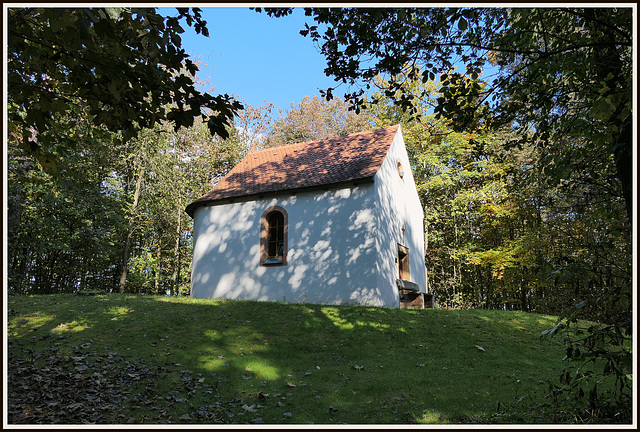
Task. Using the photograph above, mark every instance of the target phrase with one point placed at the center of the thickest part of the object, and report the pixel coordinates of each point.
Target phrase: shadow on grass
(242, 361)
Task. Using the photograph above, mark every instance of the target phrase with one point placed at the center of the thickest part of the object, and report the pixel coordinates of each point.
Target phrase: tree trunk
(127, 243)
(611, 67)
(157, 269)
(624, 164)
(176, 252)
(50, 281)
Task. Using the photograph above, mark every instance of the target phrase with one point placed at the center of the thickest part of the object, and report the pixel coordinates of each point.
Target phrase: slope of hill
(145, 359)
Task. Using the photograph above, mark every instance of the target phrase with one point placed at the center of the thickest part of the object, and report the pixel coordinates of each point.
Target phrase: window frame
(265, 259)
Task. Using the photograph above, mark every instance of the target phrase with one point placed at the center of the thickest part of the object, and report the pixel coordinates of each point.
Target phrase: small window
(403, 263)
(273, 236)
(400, 169)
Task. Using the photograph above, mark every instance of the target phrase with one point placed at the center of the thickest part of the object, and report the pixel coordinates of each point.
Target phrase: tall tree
(176, 167)
(140, 158)
(315, 118)
(124, 66)
(63, 236)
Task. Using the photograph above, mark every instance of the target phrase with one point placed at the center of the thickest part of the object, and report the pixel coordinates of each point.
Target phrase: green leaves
(603, 108)
(51, 69)
(595, 355)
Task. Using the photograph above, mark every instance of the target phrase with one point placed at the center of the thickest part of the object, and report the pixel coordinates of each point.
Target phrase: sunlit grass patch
(22, 323)
(118, 312)
(430, 417)
(73, 326)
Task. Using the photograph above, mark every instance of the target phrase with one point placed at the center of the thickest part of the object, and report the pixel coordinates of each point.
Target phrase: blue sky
(256, 57)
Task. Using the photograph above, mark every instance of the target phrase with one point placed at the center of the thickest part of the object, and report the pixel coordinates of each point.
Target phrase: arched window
(274, 227)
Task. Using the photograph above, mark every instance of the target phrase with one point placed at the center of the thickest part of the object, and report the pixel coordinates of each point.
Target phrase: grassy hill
(146, 359)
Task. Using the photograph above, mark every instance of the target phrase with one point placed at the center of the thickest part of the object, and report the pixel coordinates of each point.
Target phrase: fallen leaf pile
(86, 388)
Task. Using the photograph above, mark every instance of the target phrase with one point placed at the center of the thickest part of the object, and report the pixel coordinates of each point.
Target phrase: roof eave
(191, 208)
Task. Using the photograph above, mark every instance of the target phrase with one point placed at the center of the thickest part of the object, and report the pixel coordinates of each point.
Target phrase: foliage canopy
(124, 66)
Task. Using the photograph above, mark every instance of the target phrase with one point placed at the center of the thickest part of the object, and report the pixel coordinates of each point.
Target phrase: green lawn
(146, 359)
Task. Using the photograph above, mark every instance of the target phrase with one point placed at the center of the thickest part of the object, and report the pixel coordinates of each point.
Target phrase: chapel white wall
(398, 204)
(331, 255)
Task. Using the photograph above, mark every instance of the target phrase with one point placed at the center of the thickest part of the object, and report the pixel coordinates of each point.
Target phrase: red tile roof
(313, 163)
